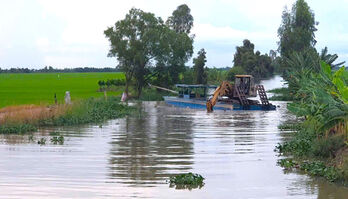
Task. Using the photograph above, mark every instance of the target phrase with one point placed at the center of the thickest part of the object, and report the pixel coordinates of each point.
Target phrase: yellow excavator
(237, 95)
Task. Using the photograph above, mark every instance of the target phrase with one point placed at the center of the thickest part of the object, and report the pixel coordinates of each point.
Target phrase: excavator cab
(246, 85)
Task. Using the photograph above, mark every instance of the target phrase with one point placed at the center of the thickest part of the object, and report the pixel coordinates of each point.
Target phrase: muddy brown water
(134, 156)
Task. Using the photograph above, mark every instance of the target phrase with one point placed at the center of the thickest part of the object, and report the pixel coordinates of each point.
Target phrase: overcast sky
(69, 33)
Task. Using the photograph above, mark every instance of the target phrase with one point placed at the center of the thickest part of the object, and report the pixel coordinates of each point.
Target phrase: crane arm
(224, 89)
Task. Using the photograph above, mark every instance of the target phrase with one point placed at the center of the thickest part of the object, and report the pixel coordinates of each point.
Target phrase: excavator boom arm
(224, 89)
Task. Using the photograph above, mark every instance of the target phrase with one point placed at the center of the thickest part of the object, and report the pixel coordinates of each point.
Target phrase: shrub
(327, 147)
(236, 70)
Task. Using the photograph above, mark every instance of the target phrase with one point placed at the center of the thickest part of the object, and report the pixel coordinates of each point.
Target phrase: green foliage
(181, 20)
(198, 67)
(92, 110)
(279, 90)
(111, 82)
(327, 147)
(321, 97)
(296, 32)
(258, 65)
(57, 139)
(142, 39)
(281, 94)
(89, 111)
(329, 58)
(187, 77)
(314, 168)
(236, 70)
(152, 94)
(187, 180)
(290, 126)
(318, 168)
(31, 138)
(17, 128)
(42, 141)
(287, 163)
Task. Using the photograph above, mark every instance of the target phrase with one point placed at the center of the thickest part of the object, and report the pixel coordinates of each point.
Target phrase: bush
(327, 147)
(236, 70)
(110, 83)
(300, 145)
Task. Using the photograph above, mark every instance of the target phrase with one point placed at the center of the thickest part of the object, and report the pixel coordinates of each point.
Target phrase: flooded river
(134, 156)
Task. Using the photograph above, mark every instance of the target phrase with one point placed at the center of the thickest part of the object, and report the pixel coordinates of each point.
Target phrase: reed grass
(28, 118)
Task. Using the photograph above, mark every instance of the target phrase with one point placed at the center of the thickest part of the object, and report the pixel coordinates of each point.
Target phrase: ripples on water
(133, 157)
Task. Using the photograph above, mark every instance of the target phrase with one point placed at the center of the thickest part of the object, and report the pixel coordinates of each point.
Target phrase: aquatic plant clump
(17, 128)
(313, 168)
(57, 139)
(187, 179)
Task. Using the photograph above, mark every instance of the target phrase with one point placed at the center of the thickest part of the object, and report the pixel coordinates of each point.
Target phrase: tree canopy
(252, 63)
(296, 32)
(141, 41)
(181, 20)
(198, 67)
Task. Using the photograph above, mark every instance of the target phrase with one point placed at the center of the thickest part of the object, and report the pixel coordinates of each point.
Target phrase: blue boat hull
(201, 104)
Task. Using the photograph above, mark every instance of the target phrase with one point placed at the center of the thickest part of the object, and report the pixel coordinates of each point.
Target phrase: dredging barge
(227, 96)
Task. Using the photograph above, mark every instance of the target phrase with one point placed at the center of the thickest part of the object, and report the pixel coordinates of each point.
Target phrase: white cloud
(59, 32)
(208, 32)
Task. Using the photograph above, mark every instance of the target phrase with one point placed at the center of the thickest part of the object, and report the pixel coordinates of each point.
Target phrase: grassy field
(39, 88)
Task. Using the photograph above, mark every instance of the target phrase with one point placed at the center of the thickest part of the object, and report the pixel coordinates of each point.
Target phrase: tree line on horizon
(50, 69)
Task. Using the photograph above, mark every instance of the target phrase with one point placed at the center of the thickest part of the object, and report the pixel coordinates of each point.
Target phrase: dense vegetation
(246, 61)
(92, 110)
(146, 46)
(320, 99)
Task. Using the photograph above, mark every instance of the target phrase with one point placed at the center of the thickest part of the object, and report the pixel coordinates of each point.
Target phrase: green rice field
(39, 88)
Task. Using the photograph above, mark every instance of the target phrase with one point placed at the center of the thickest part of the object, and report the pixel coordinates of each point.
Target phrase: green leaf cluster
(321, 97)
(187, 179)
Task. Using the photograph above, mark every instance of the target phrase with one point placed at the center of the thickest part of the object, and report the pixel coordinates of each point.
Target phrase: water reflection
(149, 147)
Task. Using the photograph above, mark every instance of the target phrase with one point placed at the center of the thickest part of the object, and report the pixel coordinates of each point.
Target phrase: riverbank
(28, 118)
(323, 156)
(318, 144)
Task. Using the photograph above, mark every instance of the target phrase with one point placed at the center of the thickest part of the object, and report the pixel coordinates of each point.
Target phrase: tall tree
(252, 63)
(174, 50)
(198, 67)
(296, 32)
(133, 42)
(176, 46)
(181, 20)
